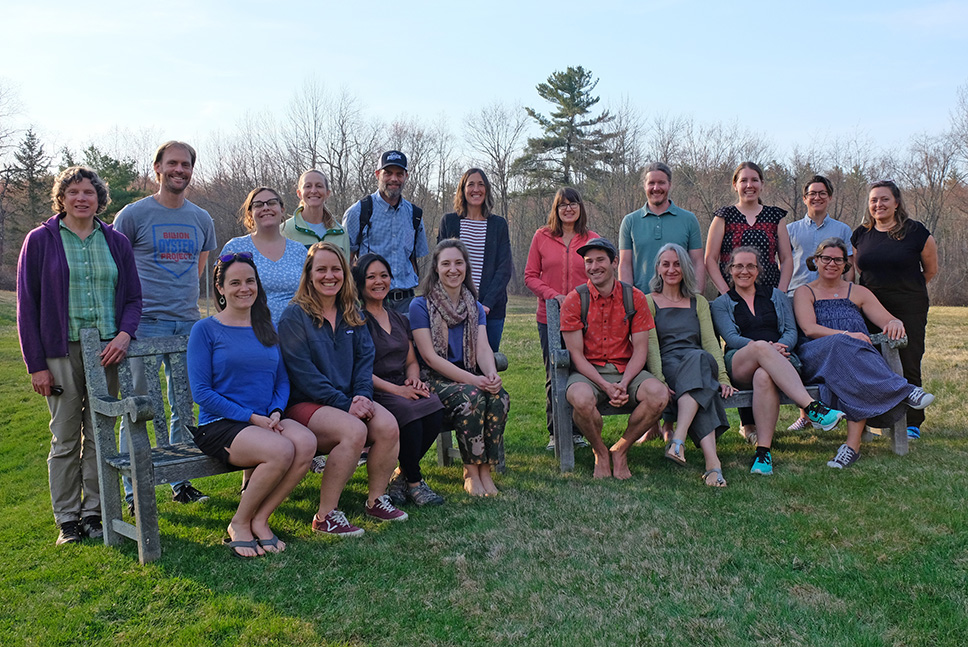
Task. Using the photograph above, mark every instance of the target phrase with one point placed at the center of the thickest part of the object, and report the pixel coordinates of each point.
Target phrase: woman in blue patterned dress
(278, 259)
(853, 375)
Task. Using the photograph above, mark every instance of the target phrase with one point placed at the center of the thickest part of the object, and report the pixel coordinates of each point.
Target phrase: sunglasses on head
(228, 258)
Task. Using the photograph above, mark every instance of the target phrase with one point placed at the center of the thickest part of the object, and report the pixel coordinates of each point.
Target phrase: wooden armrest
(881, 338)
(136, 407)
(560, 358)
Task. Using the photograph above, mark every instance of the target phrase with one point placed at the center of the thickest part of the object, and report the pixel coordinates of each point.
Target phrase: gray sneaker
(92, 527)
(397, 490)
(422, 495)
(579, 441)
(845, 457)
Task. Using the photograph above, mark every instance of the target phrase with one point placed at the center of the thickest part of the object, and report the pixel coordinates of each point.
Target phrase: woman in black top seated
(760, 331)
(396, 383)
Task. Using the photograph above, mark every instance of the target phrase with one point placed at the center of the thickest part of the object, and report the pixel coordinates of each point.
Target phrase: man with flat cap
(607, 327)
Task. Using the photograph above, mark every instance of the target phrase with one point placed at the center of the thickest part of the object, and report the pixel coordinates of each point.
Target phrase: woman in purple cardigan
(74, 272)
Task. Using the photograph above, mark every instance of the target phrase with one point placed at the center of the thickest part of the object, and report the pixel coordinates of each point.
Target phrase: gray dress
(690, 369)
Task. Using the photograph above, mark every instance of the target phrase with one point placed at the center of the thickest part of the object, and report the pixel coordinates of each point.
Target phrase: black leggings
(415, 439)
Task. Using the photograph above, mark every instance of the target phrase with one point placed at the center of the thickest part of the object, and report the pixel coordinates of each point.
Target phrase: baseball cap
(392, 158)
(599, 243)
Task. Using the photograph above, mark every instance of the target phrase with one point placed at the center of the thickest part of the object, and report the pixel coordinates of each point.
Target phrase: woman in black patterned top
(749, 223)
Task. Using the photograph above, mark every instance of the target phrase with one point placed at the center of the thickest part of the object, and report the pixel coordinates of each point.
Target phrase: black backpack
(366, 213)
(628, 300)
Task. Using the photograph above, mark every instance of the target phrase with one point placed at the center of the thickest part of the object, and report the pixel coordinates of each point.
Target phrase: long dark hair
(260, 316)
(554, 222)
(359, 272)
(460, 198)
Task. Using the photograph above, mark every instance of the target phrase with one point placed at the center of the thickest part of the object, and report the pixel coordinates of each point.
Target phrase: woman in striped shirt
(486, 237)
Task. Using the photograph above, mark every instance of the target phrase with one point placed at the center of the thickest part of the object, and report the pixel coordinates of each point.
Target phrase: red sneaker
(383, 510)
(336, 524)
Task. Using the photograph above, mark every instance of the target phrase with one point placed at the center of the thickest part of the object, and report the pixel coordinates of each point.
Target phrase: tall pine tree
(573, 147)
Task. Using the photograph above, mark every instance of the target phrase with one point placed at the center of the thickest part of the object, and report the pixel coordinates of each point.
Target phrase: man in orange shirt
(608, 351)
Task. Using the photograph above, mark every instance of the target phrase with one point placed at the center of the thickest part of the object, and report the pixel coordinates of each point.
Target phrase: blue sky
(830, 70)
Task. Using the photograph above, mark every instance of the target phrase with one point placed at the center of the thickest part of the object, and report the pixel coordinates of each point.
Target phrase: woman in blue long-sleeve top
(239, 382)
(329, 358)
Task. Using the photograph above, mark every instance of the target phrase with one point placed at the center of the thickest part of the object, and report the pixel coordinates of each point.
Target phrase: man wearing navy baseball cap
(385, 223)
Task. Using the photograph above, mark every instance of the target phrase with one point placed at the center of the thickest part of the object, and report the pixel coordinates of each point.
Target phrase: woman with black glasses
(554, 269)
(278, 258)
(853, 376)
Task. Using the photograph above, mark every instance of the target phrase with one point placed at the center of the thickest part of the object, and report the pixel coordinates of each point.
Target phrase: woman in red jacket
(554, 269)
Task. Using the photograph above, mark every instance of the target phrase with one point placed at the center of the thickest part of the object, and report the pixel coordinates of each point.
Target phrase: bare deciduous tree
(495, 132)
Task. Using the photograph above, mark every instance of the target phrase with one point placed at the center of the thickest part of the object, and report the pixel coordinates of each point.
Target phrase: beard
(391, 192)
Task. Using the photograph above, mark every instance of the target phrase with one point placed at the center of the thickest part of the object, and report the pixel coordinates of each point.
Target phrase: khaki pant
(72, 462)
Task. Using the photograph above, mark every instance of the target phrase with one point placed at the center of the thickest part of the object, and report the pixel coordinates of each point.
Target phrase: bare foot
(667, 431)
(238, 532)
(603, 466)
(473, 486)
(650, 434)
(487, 482)
(620, 466)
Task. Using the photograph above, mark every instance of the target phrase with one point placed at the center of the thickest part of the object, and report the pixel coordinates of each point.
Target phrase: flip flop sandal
(232, 545)
(719, 482)
(677, 453)
(272, 542)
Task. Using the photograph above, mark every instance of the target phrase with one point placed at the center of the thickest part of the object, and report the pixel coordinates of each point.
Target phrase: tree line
(528, 153)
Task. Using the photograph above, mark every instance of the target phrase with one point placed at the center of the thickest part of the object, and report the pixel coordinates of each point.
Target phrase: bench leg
(111, 507)
(899, 436)
(145, 505)
(564, 444)
(444, 445)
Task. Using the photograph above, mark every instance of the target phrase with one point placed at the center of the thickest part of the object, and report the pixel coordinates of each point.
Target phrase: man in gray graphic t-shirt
(171, 238)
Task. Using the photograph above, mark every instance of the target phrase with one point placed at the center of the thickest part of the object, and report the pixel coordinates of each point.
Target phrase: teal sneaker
(823, 417)
(762, 465)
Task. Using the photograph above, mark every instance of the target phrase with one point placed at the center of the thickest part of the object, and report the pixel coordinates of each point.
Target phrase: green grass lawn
(874, 555)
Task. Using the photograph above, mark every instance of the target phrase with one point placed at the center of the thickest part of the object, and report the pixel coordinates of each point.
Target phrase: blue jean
(177, 432)
(495, 330)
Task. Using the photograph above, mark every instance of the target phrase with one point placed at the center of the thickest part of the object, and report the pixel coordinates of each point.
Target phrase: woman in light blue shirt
(278, 258)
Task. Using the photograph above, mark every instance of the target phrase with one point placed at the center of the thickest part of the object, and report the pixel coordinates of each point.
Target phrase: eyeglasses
(569, 205)
(749, 267)
(816, 194)
(271, 202)
(836, 260)
(228, 258)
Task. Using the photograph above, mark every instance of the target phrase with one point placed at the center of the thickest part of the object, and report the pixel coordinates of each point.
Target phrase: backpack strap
(417, 215)
(628, 302)
(366, 214)
(584, 299)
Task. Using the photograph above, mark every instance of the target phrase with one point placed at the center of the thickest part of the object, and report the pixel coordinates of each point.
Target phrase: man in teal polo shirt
(646, 230)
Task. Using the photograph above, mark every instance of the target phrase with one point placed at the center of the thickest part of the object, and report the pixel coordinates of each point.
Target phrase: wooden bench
(562, 410)
(148, 466)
